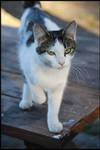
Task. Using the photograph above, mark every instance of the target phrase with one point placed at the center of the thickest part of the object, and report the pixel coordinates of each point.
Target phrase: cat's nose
(62, 63)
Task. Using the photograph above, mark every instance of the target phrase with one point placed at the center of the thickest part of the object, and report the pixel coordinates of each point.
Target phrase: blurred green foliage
(92, 129)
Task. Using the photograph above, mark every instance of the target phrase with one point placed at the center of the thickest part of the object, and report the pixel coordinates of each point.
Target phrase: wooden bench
(80, 104)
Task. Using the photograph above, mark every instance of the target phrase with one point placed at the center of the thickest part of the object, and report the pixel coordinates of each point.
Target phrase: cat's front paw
(55, 127)
(25, 105)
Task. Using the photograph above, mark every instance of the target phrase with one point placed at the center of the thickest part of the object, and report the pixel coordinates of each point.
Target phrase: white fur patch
(51, 25)
(57, 136)
(23, 19)
(37, 6)
(59, 50)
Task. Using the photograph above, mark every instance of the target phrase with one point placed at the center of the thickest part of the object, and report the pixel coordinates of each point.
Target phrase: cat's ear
(70, 30)
(40, 34)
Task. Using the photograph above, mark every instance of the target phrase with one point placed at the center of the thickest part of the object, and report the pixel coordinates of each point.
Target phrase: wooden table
(80, 104)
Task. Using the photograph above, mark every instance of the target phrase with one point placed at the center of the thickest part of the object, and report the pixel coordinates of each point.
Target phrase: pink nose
(62, 63)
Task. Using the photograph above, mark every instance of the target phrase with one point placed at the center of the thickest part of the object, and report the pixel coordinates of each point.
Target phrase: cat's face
(55, 48)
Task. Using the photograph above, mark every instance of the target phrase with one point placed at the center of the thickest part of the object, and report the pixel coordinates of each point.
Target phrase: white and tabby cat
(45, 54)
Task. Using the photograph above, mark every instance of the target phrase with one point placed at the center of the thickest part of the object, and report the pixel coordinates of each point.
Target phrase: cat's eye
(67, 51)
(51, 52)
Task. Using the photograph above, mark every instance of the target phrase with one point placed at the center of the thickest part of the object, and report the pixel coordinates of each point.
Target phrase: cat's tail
(27, 4)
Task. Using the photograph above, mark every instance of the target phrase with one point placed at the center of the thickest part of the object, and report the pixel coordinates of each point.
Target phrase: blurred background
(86, 14)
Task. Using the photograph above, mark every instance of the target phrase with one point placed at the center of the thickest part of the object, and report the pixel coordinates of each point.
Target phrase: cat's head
(55, 48)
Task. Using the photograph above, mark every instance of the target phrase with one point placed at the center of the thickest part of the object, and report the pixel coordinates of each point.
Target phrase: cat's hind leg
(26, 101)
(38, 94)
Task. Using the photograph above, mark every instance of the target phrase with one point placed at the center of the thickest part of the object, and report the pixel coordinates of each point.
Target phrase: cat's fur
(43, 72)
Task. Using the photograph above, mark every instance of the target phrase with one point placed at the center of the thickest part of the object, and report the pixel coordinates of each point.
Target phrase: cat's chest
(49, 79)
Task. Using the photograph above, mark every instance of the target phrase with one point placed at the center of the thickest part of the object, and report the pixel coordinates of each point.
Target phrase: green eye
(50, 52)
(67, 51)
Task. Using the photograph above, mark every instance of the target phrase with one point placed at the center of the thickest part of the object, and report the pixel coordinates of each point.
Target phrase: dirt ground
(87, 16)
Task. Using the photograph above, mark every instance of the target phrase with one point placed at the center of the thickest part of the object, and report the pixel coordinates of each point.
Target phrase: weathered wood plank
(30, 137)
(9, 39)
(17, 123)
(11, 84)
(89, 118)
(32, 123)
(23, 119)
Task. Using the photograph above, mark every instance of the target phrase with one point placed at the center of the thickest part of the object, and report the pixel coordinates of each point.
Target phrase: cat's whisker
(86, 71)
(74, 73)
(74, 70)
(83, 73)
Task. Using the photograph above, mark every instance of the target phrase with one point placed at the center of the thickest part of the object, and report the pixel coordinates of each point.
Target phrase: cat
(45, 52)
